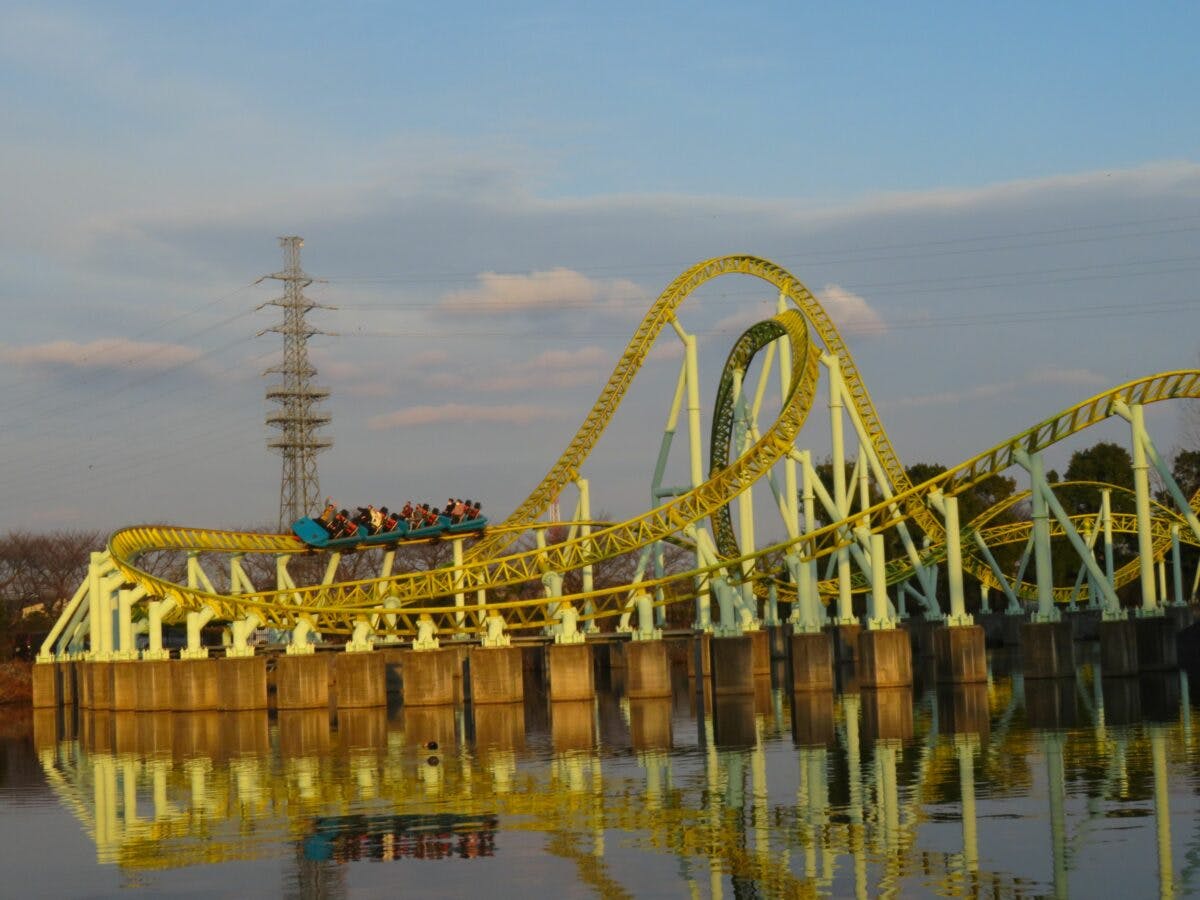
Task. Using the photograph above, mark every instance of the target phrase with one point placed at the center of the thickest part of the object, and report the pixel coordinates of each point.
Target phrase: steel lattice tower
(299, 416)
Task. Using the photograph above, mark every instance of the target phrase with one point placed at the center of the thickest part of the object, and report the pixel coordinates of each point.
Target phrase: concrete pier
(812, 719)
(1118, 648)
(496, 675)
(884, 659)
(193, 684)
(102, 685)
(732, 665)
(47, 686)
(1156, 638)
(760, 655)
(700, 655)
(360, 680)
(648, 670)
(429, 677)
(812, 661)
(650, 722)
(779, 638)
(845, 642)
(393, 669)
(1047, 650)
(961, 653)
(68, 683)
(154, 685)
(570, 672)
(125, 684)
(302, 681)
(241, 682)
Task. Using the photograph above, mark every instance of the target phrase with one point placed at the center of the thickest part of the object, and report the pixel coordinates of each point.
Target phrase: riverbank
(16, 681)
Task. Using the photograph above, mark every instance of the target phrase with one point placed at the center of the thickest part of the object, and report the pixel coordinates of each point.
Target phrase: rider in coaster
(376, 523)
(325, 519)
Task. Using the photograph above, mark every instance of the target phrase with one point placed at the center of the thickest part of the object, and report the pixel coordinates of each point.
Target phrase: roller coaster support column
(691, 379)
(569, 661)
(959, 645)
(811, 646)
(884, 652)
(845, 614)
(587, 575)
(1047, 643)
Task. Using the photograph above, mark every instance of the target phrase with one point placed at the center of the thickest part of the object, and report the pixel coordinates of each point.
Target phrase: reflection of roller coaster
(715, 514)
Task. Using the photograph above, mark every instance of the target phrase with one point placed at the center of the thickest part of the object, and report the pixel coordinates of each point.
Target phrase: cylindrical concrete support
(649, 670)
(1118, 649)
(241, 682)
(496, 675)
(47, 691)
(302, 681)
(961, 654)
(884, 659)
(1047, 650)
(193, 684)
(569, 667)
(154, 685)
(812, 661)
(361, 679)
(650, 721)
(429, 677)
(732, 665)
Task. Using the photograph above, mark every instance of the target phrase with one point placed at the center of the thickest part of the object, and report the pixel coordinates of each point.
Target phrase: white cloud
(553, 289)
(461, 414)
(103, 353)
(851, 313)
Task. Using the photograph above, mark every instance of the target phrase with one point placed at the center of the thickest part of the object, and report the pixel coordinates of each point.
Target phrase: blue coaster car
(311, 532)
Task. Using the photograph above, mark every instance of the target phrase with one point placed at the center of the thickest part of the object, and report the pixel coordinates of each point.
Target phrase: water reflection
(1017, 787)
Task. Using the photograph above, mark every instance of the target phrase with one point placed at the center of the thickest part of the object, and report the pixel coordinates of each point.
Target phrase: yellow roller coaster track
(337, 606)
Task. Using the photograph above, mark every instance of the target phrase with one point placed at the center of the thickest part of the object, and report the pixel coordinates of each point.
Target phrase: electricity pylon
(299, 416)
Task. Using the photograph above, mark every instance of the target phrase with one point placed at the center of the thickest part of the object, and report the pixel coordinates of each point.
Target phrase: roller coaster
(759, 468)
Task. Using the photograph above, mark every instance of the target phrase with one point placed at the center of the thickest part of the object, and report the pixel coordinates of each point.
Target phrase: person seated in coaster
(325, 519)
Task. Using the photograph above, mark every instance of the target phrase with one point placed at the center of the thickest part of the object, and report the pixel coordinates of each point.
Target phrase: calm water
(1085, 788)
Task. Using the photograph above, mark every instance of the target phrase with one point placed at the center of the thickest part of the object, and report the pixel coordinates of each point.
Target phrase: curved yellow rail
(488, 567)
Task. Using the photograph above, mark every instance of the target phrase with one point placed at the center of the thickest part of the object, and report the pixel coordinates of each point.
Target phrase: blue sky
(1005, 200)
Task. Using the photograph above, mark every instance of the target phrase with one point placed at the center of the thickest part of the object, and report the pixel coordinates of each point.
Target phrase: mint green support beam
(157, 609)
(845, 613)
(983, 548)
(1046, 611)
(1141, 491)
(1177, 568)
(947, 506)
(1050, 503)
(879, 619)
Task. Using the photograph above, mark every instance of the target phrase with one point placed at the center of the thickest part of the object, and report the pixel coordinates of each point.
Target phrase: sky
(999, 204)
